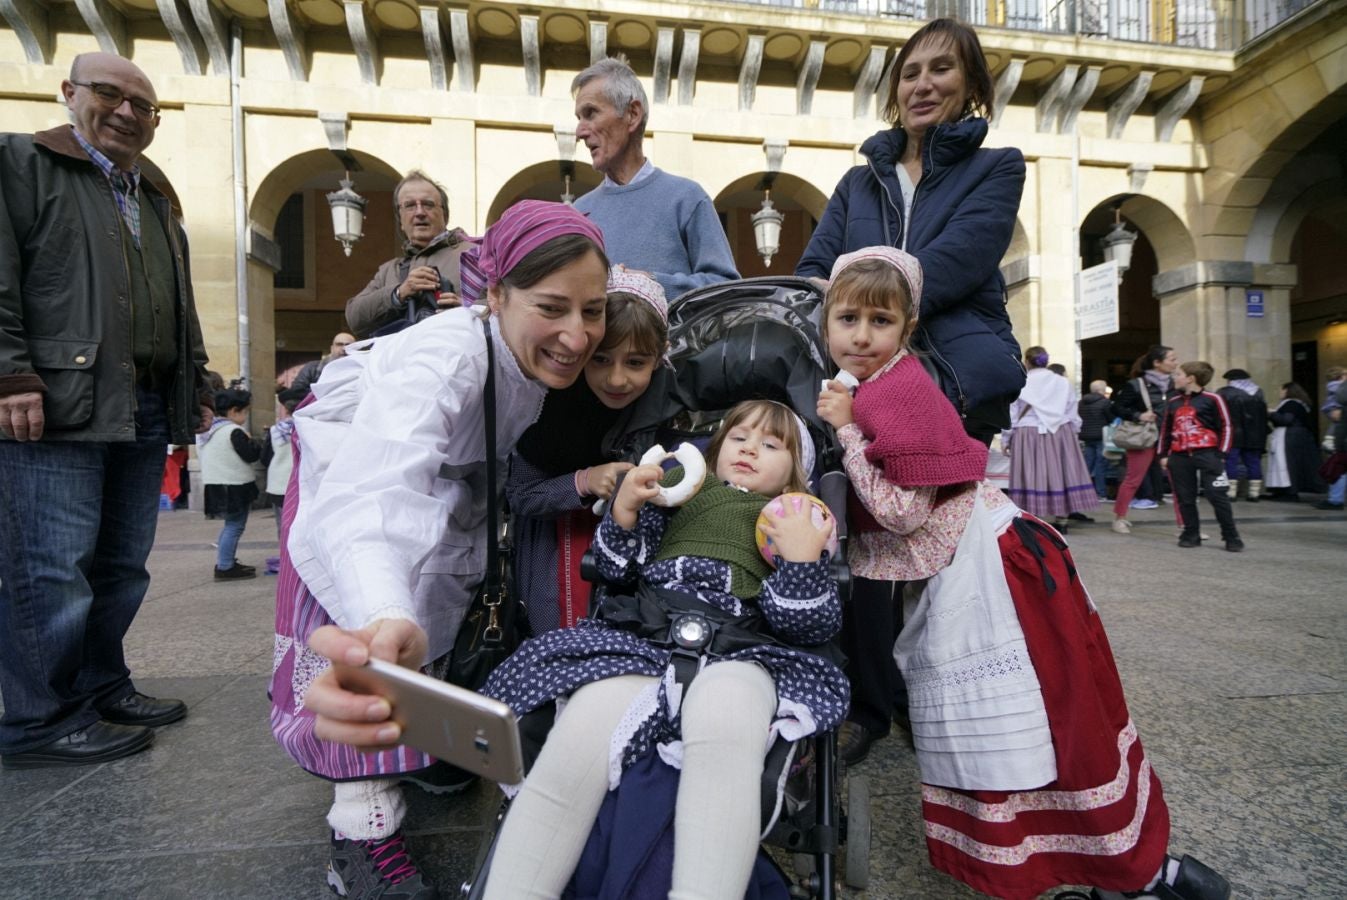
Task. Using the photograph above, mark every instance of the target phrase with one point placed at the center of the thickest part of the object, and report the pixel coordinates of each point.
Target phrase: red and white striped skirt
(1103, 822)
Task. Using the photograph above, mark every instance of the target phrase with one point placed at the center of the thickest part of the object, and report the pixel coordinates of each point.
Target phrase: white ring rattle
(694, 473)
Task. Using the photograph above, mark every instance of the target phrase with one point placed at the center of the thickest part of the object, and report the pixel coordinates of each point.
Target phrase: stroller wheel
(857, 872)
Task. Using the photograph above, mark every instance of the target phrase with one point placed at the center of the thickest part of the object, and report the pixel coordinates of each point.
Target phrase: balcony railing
(1202, 24)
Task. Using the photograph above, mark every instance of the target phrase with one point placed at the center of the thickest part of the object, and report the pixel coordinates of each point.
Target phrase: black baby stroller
(760, 338)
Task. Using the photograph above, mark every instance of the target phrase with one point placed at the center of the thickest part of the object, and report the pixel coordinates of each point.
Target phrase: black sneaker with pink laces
(376, 870)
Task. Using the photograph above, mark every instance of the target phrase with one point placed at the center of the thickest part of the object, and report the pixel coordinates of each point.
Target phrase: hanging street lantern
(348, 214)
(567, 173)
(1117, 244)
(767, 229)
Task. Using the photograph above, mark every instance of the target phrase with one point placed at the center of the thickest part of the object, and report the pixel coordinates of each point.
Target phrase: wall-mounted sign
(1253, 304)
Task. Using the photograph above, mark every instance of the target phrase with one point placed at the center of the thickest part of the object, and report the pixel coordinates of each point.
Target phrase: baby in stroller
(757, 677)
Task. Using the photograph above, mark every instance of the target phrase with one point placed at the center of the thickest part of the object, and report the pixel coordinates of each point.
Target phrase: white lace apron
(978, 719)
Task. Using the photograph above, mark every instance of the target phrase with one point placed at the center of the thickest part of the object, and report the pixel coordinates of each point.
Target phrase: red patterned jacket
(1192, 422)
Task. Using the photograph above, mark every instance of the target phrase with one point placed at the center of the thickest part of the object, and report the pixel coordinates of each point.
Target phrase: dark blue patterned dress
(799, 601)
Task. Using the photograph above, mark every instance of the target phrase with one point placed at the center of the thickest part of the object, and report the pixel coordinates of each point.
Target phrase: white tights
(367, 810)
(726, 717)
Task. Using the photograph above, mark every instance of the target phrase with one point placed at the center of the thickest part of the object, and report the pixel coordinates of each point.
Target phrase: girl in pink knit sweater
(1033, 774)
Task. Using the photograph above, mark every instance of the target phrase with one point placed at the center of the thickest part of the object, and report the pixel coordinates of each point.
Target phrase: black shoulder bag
(490, 630)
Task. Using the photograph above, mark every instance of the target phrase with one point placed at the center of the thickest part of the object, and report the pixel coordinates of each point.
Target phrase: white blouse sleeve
(377, 514)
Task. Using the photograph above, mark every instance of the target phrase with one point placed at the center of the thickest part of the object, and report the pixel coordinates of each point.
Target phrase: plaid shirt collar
(125, 186)
(108, 167)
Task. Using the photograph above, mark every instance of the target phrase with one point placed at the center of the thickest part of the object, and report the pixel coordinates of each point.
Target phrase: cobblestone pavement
(1234, 667)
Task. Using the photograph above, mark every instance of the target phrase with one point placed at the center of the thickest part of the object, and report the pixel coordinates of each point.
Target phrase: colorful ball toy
(820, 514)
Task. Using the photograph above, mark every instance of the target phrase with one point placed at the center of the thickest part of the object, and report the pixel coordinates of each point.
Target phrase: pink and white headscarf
(622, 280)
(907, 265)
(523, 228)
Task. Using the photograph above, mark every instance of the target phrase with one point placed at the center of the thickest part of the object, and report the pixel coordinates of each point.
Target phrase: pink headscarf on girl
(909, 269)
(523, 228)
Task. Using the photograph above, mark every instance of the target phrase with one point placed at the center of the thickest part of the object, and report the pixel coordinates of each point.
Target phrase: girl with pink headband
(384, 529)
(1032, 772)
(574, 454)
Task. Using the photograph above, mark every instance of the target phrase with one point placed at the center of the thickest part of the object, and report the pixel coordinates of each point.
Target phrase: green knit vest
(718, 523)
(153, 310)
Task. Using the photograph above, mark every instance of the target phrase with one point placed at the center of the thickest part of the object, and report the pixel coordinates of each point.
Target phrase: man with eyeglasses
(425, 278)
(101, 367)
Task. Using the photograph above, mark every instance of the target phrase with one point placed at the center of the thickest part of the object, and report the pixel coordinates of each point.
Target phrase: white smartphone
(449, 722)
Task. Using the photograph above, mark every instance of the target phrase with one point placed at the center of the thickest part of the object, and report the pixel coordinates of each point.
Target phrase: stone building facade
(1214, 130)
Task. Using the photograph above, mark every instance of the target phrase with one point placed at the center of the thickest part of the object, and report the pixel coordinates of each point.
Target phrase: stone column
(1204, 314)
(1052, 316)
(199, 171)
(1023, 296)
(456, 139)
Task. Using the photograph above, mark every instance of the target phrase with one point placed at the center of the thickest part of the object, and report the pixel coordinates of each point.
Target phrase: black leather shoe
(853, 742)
(100, 742)
(237, 570)
(137, 709)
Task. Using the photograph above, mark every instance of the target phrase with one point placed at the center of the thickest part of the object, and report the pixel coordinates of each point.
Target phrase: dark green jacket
(65, 300)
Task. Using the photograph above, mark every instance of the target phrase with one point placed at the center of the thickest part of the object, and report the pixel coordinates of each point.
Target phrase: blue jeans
(1096, 464)
(77, 521)
(1338, 490)
(229, 538)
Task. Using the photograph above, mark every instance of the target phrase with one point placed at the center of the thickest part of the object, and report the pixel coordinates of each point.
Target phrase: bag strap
(492, 535)
(492, 593)
(1145, 394)
(493, 586)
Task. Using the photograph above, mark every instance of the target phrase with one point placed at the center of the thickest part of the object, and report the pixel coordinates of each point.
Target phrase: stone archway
(1163, 244)
(1266, 182)
(541, 181)
(1253, 134)
(299, 278)
(1298, 228)
(798, 200)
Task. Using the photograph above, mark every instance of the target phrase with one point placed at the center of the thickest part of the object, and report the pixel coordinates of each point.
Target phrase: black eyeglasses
(411, 205)
(112, 97)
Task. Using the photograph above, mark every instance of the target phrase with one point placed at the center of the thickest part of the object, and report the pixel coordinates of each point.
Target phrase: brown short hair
(629, 316)
(776, 419)
(1199, 371)
(873, 284)
(964, 40)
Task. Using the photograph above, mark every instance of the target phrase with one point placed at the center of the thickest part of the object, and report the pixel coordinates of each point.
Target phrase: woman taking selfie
(385, 518)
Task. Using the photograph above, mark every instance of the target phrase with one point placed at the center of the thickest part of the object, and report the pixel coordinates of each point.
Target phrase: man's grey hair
(418, 175)
(620, 86)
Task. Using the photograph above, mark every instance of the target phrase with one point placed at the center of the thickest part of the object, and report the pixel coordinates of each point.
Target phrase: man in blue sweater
(651, 220)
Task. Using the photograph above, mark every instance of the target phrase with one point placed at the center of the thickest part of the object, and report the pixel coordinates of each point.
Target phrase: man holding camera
(425, 278)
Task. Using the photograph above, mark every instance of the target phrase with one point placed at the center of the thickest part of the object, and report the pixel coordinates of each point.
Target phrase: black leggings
(870, 625)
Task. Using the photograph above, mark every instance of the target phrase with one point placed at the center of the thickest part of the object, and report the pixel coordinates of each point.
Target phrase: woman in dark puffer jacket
(929, 188)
